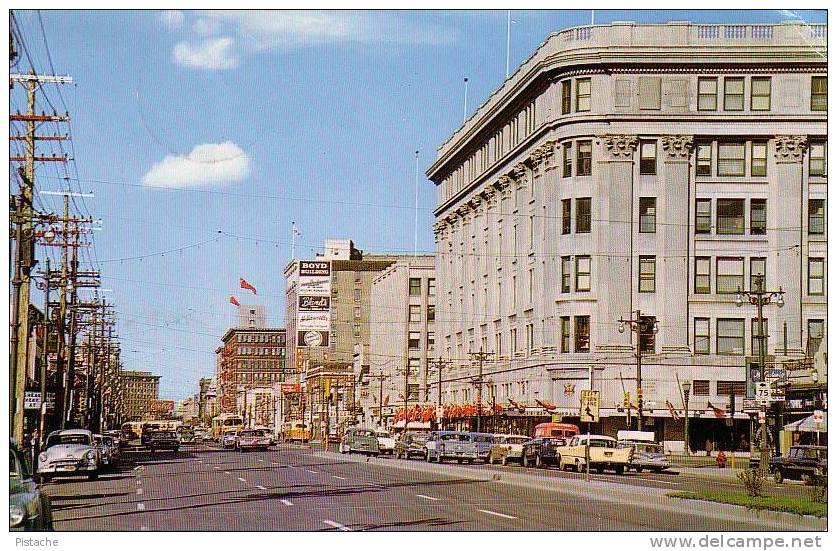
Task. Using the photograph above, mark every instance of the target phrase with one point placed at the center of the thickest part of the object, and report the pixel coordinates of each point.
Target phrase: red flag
(548, 406)
(246, 285)
(234, 301)
(717, 411)
(672, 411)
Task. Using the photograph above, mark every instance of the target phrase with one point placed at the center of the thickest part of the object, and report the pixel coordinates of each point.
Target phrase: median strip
(337, 525)
(427, 497)
(286, 502)
(496, 514)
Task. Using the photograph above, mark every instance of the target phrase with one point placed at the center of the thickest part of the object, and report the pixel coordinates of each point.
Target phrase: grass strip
(785, 504)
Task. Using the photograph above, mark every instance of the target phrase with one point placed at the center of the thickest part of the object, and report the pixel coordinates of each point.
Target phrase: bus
(556, 430)
(226, 422)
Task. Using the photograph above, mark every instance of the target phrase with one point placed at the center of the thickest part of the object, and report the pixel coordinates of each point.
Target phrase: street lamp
(686, 386)
(759, 298)
(641, 327)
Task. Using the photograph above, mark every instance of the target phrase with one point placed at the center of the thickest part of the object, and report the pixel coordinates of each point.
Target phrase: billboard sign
(313, 308)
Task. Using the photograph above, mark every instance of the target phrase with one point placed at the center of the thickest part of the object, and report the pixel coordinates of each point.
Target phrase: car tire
(93, 476)
(620, 470)
(778, 476)
(538, 462)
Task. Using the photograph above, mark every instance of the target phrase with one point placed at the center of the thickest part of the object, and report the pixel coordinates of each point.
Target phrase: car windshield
(231, 422)
(483, 438)
(460, 437)
(68, 439)
(255, 433)
(597, 443)
(516, 439)
(364, 433)
(816, 453)
(382, 434)
(164, 434)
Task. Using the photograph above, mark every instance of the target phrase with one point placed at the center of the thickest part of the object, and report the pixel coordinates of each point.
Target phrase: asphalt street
(290, 488)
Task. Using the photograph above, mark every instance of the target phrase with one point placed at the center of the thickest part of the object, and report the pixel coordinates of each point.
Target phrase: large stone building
(402, 334)
(631, 167)
(141, 391)
(249, 358)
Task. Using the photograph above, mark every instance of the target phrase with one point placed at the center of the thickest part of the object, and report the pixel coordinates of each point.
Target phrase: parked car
(411, 444)
(386, 443)
(646, 456)
(229, 440)
(164, 440)
(252, 439)
(556, 430)
(108, 450)
(29, 508)
(69, 452)
(453, 445)
(507, 447)
(801, 463)
(601, 451)
(542, 451)
(202, 436)
(187, 436)
(359, 440)
(483, 441)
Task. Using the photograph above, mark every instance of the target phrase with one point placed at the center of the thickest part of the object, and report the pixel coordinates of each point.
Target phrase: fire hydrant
(721, 459)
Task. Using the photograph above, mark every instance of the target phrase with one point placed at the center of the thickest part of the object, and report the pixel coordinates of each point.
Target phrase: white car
(69, 453)
(507, 447)
(386, 443)
(229, 440)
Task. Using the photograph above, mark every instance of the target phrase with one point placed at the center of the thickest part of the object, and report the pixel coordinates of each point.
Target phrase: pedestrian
(35, 446)
(721, 459)
(708, 447)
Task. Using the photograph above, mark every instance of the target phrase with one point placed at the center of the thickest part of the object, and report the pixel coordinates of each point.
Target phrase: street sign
(775, 373)
(557, 417)
(762, 417)
(32, 400)
(763, 393)
(750, 405)
(589, 406)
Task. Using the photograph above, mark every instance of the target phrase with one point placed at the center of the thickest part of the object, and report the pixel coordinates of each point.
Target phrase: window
(736, 388)
(703, 215)
(357, 295)
(707, 94)
(730, 159)
(584, 163)
(734, 94)
(816, 276)
(647, 214)
(513, 341)
(431, 312)
(413, 340)
(758, 160)
(649, 92)
(582, 273)
(582, 333)
(356, 330)
(816, 216)
(566, 216)
(730, 275)
(566, 269)
(648, 158)
(819, 93)
(647, 274)
(582, 94)
(415, 286)
(566, 97)
(730, 217)
(498, 343)
(700, 387)
(701, 338)
(758, 216)
(531, 285)
(730, 336)
(582, 215)
(568, 160)
(703, 275)
(758, 273)
(816, 159)
(754, 330)
(760, 94)
(431, 286)
(415, 313)
(357, 312)
(816, 332)
(704, 159)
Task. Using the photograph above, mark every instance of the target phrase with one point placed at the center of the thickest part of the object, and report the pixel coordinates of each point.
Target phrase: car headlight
(90, 455)
(42, 458)
(17, 515)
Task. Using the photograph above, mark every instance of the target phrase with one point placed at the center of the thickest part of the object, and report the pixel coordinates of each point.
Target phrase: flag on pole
(234, 301)
(297, 232)
(672, 411)
(717, 411)
(246, 285)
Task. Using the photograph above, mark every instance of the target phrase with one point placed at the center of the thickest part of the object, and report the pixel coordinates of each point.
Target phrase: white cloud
(209, 163)
(173, 19)
(205, 26)
(213, 54)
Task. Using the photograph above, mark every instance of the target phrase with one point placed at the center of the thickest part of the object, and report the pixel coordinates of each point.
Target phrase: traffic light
(626, 400)
(639, 395)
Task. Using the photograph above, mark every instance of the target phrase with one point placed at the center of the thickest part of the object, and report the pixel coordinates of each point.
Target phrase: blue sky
(190, 123)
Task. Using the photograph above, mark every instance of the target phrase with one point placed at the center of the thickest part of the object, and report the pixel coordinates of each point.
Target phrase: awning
(807, 424)
(411, 425)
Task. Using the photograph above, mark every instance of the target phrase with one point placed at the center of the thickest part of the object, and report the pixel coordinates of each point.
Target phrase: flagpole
(293, 241)
(508, 40)
(465, 109)
(415, 222)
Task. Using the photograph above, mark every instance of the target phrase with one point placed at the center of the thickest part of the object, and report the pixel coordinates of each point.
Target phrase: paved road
(294, 489)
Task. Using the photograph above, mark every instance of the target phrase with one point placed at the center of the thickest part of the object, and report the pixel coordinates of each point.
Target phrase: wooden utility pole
(479, 357)
(439, 365)
(380, 377)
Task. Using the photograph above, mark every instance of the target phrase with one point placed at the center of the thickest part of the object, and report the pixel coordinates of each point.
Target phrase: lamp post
(686, 386)
(759, 298)
(641, 327)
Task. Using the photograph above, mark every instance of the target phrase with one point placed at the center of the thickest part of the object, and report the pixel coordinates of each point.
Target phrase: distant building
(249, 358)
(140, 393)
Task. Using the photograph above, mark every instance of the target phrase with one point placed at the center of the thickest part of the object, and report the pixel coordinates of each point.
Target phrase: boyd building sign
(313, 309)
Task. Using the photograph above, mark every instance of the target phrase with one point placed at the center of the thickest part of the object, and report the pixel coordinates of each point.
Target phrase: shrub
(817, 488)
(753, 480)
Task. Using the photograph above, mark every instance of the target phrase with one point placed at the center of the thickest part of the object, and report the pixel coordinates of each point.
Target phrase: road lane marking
(310, 471)
(427, 497)
(340, 477)
(140, 506)
(337, 525)
(260, 487)
(495, 513)
(286, 502)
(140, 491)
(261, 460)
(241, 479)
(139, 482)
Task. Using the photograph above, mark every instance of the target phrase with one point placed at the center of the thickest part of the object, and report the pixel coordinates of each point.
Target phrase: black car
(542, 451)
(164, 440)
(801, 462)
(411, 444)
(29, 508)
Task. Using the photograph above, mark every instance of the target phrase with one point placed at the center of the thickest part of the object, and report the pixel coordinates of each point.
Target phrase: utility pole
(25, 245)
(479, 357)
(44, 354)
(439, 365)
(641, 326)
(380, 377)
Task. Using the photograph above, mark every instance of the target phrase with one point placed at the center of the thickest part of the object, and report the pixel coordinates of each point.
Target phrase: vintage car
(359, 440)
(507, 447)
(483, 441)
(164, 440)
(108, 450)
(69, 452)
(601, 452)
(29, 508)
(801, 463)
(187, 436)
(229, 439)
(646, 456)
(386, 443)
(453, 445)
(411, 444)
(253, 439)
(542, 451)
